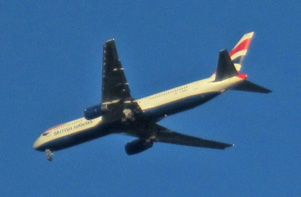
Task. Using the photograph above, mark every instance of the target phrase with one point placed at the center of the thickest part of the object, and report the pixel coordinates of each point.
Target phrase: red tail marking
(243, 76)
(242, 46)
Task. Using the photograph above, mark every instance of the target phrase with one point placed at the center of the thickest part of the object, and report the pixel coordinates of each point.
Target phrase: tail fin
(240, 50)
(229, 65)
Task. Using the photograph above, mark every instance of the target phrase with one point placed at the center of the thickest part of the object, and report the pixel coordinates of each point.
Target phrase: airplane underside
(119, 112)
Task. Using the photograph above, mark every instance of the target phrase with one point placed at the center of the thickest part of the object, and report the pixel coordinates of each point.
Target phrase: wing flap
(114, 83)
(167, 136)
(157, 133)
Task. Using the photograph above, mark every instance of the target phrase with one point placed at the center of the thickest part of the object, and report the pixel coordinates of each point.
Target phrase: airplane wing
(167, 136)
(114, 83)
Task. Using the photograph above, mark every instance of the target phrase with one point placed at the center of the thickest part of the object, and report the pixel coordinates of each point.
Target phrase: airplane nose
(36, 144)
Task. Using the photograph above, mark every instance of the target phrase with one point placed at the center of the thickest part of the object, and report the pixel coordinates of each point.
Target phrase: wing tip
(228, 146)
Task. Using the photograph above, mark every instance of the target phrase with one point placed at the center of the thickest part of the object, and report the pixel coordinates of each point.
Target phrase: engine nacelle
(137, 146)
(93, 112)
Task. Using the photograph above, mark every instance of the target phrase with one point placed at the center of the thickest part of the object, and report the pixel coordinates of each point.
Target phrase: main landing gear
(49, 154)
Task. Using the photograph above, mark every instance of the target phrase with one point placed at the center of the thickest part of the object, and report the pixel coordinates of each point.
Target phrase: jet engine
(93, 112)
(137, 146)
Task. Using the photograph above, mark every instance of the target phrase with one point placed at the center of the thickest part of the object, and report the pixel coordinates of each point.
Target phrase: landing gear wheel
(49, 154)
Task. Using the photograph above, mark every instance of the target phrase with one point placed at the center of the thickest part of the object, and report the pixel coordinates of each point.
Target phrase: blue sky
(51, 55)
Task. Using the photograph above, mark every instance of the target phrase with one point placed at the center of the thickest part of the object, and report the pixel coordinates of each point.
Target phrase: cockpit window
(45, 133)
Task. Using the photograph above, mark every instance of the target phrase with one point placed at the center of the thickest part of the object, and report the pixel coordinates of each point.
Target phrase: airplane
(120, 113)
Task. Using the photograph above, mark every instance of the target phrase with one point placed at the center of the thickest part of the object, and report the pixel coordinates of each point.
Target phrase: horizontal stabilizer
(225, 67)
(251, 87)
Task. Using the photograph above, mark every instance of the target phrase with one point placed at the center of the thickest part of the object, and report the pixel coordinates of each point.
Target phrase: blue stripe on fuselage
(161, 111)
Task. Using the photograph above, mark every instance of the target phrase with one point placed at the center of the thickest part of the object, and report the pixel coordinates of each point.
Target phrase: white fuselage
(156, 106)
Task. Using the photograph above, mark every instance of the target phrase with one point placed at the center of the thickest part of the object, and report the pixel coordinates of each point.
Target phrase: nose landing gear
(49, 154)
